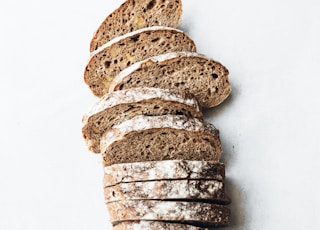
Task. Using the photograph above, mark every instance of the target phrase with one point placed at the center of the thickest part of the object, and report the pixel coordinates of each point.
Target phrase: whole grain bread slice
(201, 190)
(163, 170)
(196, 213)
(121, 52)
(118, 106)
(154, 225)
(204, 77)
(137, 14)
(167, 137)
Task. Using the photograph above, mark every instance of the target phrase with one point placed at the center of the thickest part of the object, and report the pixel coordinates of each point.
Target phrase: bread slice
(118, 106)
(163, 170)
(154, 225)
(121, 52)
(137, 14)
(188, 71)
(196, 213)
(167, 137)
(201, 190)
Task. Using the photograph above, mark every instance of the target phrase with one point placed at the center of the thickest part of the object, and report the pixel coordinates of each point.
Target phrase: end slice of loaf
(204, 77)
(118, 106)
(158, 225)
(163, 170)
(121, 52)
(167, 137)
(136, 14)
(196, 213)
(189, 190)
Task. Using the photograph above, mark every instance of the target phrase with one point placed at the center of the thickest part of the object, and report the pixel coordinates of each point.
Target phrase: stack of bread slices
(161, 159)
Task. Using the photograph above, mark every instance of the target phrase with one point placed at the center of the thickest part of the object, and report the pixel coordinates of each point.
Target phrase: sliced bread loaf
(118, 106)
(167, 137)
(200, 190)
(188, 71)
(121, 52)
(137, 14)
(154, 225)
(163, 170)
(196, 213)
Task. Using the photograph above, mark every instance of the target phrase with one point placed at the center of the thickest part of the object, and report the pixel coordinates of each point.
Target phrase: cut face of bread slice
(196, 213)
(136, 14)
(121, 52)
(118, 106)
(167, 137)
(189, 190)
(163, 170)
(160, 225)
(188, 71)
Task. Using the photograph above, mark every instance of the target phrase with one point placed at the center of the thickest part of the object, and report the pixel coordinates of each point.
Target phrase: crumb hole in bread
(128, 63)
(151, 4)
(135, 38)
(115, 61)
(113, 194)
(107, 64)
(155, 39)
(214, 75)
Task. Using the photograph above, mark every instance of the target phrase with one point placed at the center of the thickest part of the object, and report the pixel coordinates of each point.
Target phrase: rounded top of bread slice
(196, 73)
(121, 52)
(136, 14)
(118, 106)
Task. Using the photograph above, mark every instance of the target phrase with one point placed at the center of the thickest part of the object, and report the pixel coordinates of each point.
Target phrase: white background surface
(269, 126)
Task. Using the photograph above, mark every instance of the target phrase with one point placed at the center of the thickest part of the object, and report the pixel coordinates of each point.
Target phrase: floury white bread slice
(118, 106)
(163, 170)
(188, 190)
(159, 225)
(204, 77)
(136, 14)
(121, 52)
(167, 137)
(197, 213)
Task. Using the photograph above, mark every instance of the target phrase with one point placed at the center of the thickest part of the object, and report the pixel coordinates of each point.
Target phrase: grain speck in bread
(159, 225)
(121, 52)
(167, 137)
(204, 77)
(163, 170)
(118, 106)
(189, 190)
(197, 213)
(137, 14)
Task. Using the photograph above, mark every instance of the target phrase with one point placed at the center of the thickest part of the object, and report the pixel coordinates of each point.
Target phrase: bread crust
(205, 214)
(189, 190)
(163, 170)
(121, 52)
(118, 106)
(136, 14)
(160, 138)
(202, 76)
(160, 225)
